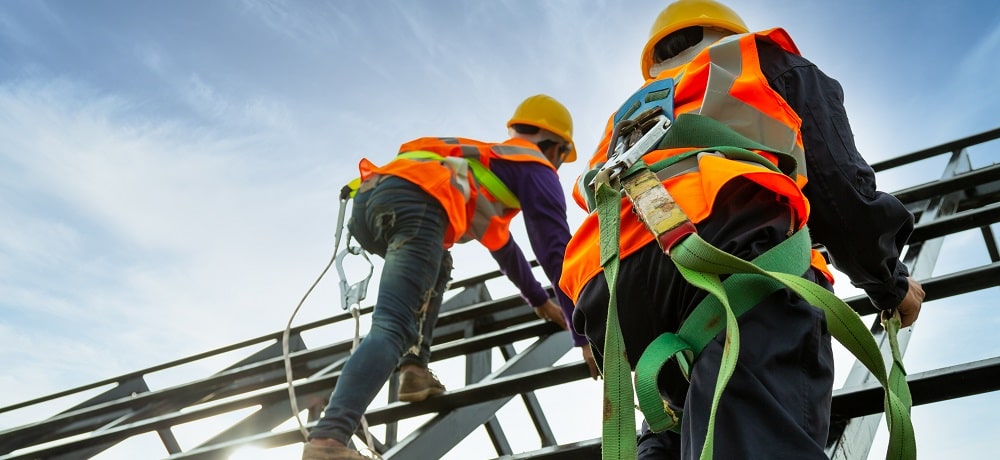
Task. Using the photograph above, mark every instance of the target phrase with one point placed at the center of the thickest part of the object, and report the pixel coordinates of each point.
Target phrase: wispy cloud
(168, 180)
(325, 23)
(161, 225)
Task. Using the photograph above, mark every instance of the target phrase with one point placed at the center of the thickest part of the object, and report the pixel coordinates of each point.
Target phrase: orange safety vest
(723, 82)
(474, 212)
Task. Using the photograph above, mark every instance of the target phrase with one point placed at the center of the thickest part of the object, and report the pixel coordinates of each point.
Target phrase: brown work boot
(317, 452)
(417, 384)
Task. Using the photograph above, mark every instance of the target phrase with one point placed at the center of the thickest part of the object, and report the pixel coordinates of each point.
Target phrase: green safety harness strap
(706, 320)
(701, 264)
(618, 438)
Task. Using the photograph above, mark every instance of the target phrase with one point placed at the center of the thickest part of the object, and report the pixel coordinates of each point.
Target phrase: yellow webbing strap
(350, 189)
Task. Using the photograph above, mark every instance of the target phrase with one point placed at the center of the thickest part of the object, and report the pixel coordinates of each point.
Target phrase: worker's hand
(909, 307)
(588, 357)
(549, 311)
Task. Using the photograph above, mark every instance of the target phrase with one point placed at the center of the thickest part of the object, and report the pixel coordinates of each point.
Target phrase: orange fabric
(437, 180)
(694, 192)
(819, 263)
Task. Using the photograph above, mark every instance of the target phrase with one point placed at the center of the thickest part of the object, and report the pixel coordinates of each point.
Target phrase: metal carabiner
(624, 155)
(352, 294)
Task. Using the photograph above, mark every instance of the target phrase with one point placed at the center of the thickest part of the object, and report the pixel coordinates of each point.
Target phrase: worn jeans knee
(421, 356)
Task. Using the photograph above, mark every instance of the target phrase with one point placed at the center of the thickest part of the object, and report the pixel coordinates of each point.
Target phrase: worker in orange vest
(701, 64)
(435, 193)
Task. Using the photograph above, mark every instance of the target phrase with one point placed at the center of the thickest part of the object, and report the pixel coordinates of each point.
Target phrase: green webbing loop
(898, 421)
(618, 439)
(701, 264)
(659, 416)
(844, 324)
(483, 176)
(791, 256)
(705, 322)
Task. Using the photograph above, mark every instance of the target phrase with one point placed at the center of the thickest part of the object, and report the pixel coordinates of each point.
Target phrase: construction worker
(435, 193)
(703, 67)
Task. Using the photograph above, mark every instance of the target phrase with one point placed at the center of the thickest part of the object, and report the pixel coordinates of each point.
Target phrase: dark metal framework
(473, 325)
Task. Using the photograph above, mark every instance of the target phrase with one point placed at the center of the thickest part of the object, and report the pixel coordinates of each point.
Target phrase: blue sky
(169, 170)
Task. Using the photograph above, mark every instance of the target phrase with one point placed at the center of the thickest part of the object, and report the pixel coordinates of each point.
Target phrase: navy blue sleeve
(544, 206)
(863, 229)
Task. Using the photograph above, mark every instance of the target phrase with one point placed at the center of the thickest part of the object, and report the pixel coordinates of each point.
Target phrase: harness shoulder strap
(618, 439)
(698, 131)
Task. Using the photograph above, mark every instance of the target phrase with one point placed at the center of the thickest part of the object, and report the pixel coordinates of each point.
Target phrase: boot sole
(418, 396)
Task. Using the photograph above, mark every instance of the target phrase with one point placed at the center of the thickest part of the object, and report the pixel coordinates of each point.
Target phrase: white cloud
(152, 231)
(148, 219)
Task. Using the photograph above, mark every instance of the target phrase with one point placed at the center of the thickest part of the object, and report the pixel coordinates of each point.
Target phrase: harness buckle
(657, 209)
(633, 139)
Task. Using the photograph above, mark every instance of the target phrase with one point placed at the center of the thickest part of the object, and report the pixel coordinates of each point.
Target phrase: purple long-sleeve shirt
(544, 206)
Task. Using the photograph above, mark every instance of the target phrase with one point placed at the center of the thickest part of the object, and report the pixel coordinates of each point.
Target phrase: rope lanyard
(701, 264)
(351, 296)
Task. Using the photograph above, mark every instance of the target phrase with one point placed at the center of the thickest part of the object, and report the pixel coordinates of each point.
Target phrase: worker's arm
(543, 205)
(863, 229)
(514, 265)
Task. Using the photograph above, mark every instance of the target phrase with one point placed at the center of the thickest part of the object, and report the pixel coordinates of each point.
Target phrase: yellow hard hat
(689, 13)
(545, 112)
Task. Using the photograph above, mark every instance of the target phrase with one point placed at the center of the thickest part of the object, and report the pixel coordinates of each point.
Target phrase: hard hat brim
(647, 51)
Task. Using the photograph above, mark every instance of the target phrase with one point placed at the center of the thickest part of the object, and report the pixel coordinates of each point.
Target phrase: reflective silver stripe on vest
(719, 104)
(469, 151)
(505, 150)
(690, 164)
(485, 209)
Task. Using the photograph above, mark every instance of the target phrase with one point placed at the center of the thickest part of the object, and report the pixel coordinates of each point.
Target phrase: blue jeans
(400, 222)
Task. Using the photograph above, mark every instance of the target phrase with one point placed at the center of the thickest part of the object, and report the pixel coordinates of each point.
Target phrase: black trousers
(777, 403)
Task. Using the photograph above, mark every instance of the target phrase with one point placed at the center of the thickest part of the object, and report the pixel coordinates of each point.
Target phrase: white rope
(292, 398)
(288, 360)
(355, 313)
